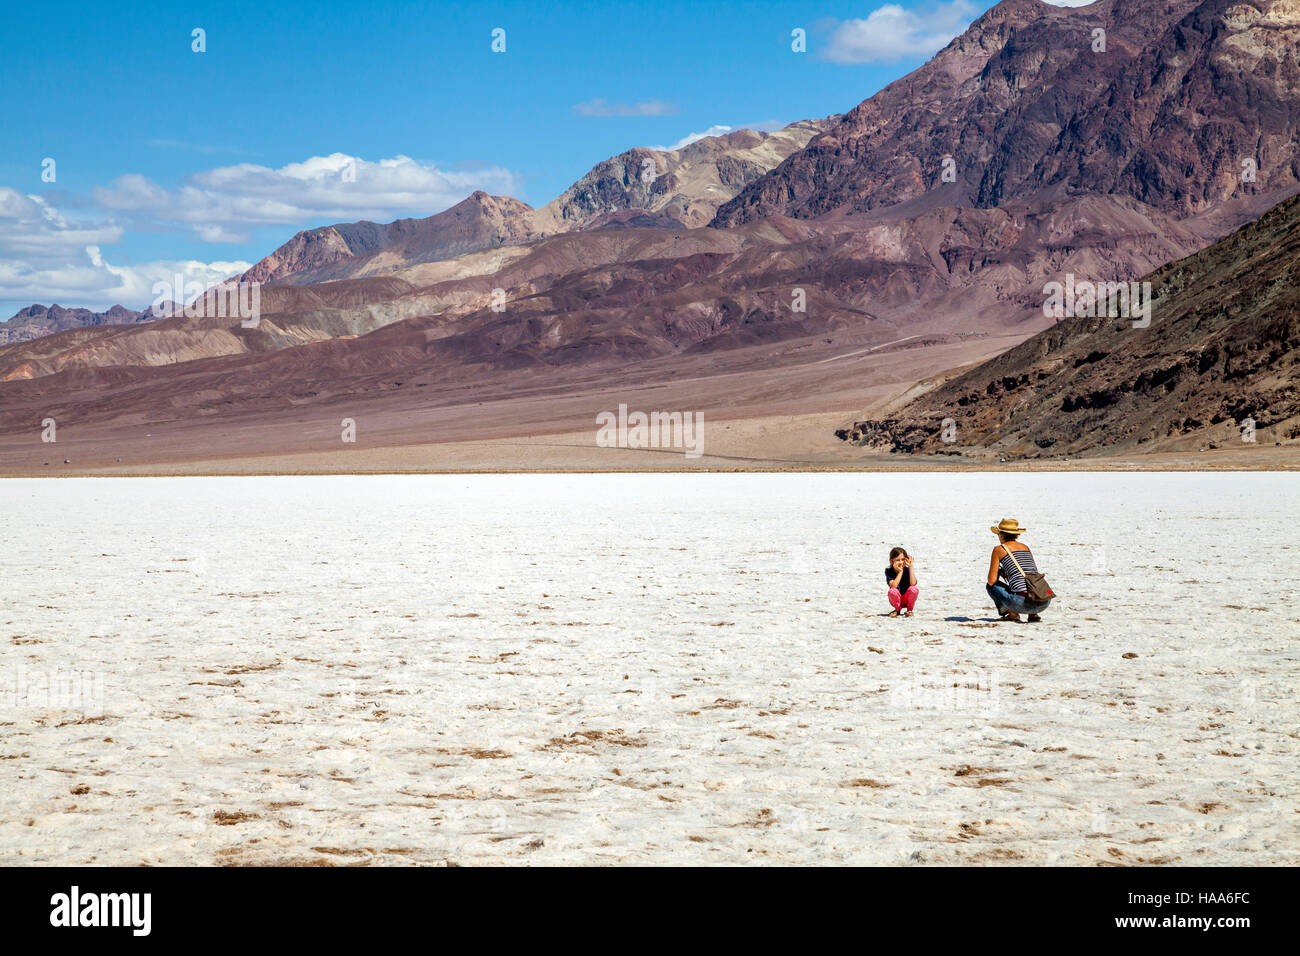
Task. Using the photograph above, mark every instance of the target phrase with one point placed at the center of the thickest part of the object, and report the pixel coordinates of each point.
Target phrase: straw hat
(1008, 526)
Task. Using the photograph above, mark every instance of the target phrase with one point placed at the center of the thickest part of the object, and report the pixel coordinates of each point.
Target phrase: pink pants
(899, 601)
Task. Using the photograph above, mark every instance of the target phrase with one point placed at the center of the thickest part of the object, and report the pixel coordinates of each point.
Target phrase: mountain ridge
(675, 188)
(36, 321)
(1223, 347)
(1178, 73)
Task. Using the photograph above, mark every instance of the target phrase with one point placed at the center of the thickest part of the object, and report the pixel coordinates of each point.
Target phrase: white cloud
(30, 227)
(602, 107)
(131, 191)
(46, 258)
(691, 138)
(891, 32)
(211, 233)
(334, 187)
(97, 284)
(766, 126)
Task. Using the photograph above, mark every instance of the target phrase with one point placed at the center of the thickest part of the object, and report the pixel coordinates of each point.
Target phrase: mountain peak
(1025, 102)
(479, 221)
(685, 189)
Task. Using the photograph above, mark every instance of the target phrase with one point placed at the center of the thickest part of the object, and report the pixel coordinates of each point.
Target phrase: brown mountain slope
(303, 314)
(348, 250)
(678, 188)
(941, 271)
(1223, 347)
(1184, 93)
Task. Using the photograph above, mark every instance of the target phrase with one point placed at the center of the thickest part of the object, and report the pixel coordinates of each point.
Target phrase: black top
(905, 583)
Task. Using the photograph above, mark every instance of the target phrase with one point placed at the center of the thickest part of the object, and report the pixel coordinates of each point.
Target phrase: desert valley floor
(646, 669)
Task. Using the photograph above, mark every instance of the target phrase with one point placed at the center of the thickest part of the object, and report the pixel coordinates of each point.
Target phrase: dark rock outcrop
(1220, 362)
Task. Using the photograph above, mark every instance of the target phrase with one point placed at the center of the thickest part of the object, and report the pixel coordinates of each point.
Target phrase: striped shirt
(1014, 580)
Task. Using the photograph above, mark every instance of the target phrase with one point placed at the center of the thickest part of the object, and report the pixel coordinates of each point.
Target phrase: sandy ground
(646, 669)
(767, 443)
(760, 411)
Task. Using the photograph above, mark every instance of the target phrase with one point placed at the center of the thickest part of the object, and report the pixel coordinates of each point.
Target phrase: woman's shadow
(955, 619)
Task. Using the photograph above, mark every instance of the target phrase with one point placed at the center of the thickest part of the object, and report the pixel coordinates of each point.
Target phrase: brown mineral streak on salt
(467, 764)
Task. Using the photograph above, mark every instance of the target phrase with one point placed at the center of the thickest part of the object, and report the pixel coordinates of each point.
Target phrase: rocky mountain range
(640, 187)
(36, 321)
(823, 242)
(1185, 98)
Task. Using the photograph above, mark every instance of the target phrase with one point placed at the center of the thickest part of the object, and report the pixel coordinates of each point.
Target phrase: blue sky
(166, 158)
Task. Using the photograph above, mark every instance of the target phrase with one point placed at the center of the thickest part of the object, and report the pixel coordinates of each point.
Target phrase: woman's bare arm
(993, 566)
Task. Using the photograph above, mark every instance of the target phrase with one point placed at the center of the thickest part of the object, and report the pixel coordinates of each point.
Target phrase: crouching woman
(1010, 562)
